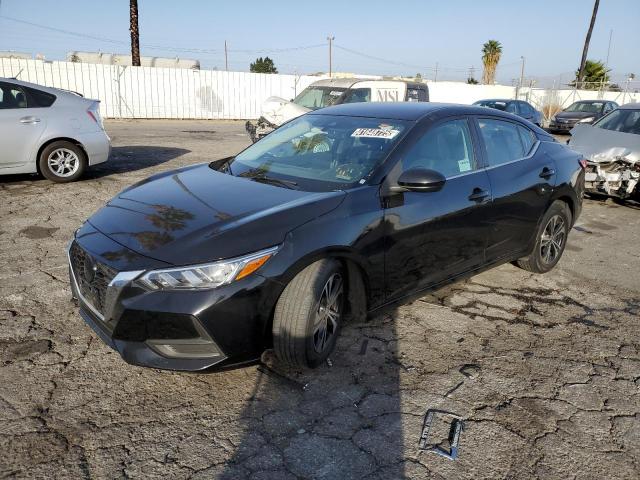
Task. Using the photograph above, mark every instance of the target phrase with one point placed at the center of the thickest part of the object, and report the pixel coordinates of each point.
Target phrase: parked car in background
(612, 147)
(584, 111)
(333, 91)
(336, 214)
(49, 131)
(517, 107)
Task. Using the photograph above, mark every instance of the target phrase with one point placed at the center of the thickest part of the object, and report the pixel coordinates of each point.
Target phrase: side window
(416, 94)
(511, 108)
(358, 95)
(502, 141)
(40, 98)
(12, 96)
(445, 148)
(528, 139)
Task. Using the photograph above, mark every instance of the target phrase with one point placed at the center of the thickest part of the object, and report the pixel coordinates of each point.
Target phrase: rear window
(38, 98)
(503, 141)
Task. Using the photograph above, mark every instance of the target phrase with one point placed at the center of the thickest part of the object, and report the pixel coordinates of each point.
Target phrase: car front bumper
(562, 127)
(175, 330)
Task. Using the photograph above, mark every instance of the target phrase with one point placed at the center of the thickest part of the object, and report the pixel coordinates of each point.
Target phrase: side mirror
(421, 180)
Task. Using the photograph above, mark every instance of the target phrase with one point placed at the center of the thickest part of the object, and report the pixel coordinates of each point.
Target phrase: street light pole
(331, 39)
(521, 78)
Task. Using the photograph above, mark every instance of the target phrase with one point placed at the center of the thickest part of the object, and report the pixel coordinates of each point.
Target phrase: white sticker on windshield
(335, 93)
(384, 133)
(464, 165)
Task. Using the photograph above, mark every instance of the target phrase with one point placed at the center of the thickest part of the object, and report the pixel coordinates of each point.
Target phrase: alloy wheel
(63, 162)
(328, 313)
(552, 240)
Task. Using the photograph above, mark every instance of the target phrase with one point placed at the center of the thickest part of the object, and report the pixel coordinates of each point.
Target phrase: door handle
(29, 120)
(478, 195)
(547, 173)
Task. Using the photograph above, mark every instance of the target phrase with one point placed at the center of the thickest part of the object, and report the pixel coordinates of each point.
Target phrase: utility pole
(135, 33)
(521, 78)
(226, 58)
(435, 75)
(331, 39)
(606, 63)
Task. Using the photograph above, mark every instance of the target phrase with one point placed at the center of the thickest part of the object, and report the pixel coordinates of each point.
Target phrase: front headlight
(209, 275)
(587, 120)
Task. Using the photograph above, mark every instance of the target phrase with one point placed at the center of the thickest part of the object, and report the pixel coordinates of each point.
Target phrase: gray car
(49, 131)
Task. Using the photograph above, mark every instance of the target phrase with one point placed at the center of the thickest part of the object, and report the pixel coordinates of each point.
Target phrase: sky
(371, 37)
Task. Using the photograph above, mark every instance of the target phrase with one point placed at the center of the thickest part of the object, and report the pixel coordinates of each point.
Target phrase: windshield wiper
(273, 181)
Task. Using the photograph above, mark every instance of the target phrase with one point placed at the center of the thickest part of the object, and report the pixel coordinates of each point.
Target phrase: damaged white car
(333, 91)
(611, 147)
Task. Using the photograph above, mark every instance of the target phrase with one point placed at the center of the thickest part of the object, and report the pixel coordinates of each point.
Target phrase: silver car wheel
(63, 162)
(328, 313)
(552, 240)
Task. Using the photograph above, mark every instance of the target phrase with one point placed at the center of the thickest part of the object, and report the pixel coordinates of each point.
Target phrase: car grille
(92, 277)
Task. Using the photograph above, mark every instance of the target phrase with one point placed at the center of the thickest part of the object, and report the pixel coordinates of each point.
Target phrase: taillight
(93, 117)
(94, 113)
(583, 163)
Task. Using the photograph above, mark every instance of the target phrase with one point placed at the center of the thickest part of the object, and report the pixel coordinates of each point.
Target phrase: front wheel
(551, 239)
(309, 314)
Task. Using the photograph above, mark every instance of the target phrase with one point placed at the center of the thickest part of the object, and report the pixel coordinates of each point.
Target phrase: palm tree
(595, 75)
(491, 52)
(135, 33)
(581, 70)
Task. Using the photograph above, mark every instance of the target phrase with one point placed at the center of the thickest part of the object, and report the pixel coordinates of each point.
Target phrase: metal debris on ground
(363, 347)
(456, 426)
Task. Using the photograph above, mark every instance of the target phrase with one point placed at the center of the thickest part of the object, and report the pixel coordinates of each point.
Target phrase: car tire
(551, 239)
(304, 332)
(62, 162)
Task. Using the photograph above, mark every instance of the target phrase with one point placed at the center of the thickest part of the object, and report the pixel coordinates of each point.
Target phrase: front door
(20, 126)
(431, 236)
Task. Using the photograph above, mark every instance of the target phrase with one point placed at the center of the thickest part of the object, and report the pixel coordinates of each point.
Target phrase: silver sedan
(53, 132)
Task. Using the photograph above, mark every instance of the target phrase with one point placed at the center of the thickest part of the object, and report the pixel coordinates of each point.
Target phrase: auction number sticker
(385, 132)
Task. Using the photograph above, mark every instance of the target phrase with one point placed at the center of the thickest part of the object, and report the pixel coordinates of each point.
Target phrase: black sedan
(517, 107)
(333, 216)
(584, 111)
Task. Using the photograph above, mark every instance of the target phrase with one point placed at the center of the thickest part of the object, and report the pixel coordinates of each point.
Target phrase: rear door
(21, 125)
(522, 181)
(431, 236)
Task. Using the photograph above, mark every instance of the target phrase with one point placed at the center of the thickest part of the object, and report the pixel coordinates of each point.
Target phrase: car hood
(196, 215)
(601, 145)
(575, 115)
(277, 110)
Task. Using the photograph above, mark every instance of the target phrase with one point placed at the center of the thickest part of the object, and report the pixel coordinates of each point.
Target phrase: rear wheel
(309, 314)
(62, 162)
(551, 239)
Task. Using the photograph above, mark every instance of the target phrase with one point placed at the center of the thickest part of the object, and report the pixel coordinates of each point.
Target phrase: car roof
(336, 82)
(506, 100)
(592, 101)
(54, 91)
(405, 110)
(630, 106)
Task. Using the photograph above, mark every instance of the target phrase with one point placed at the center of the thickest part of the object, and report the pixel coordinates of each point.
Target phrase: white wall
(151, 92)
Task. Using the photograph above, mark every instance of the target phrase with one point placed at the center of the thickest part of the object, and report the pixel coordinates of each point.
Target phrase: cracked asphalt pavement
(543, 369)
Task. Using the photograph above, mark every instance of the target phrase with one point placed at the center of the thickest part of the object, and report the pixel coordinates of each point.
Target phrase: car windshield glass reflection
(319, 152)
(587, 107)
(626, 121)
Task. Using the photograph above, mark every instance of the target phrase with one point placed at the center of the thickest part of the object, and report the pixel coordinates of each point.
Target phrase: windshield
(587, 107)
(498, 105)
(319, 152)
(314, 98)
(626, 121)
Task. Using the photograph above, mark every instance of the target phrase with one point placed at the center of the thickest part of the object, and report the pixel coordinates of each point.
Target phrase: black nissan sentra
(332, 216)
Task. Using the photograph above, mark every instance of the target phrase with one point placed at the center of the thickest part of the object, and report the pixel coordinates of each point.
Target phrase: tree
(135, 33)
(472, 81)
(581, 70)
(263, 65)
(595, 75)
(491, 52)
(418, 77)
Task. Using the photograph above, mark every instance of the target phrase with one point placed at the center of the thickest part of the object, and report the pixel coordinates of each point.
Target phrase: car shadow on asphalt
(342, 420)
(134, 157)
(123, 159)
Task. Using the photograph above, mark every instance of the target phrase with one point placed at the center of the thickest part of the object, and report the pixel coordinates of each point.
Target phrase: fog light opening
(185, 348)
